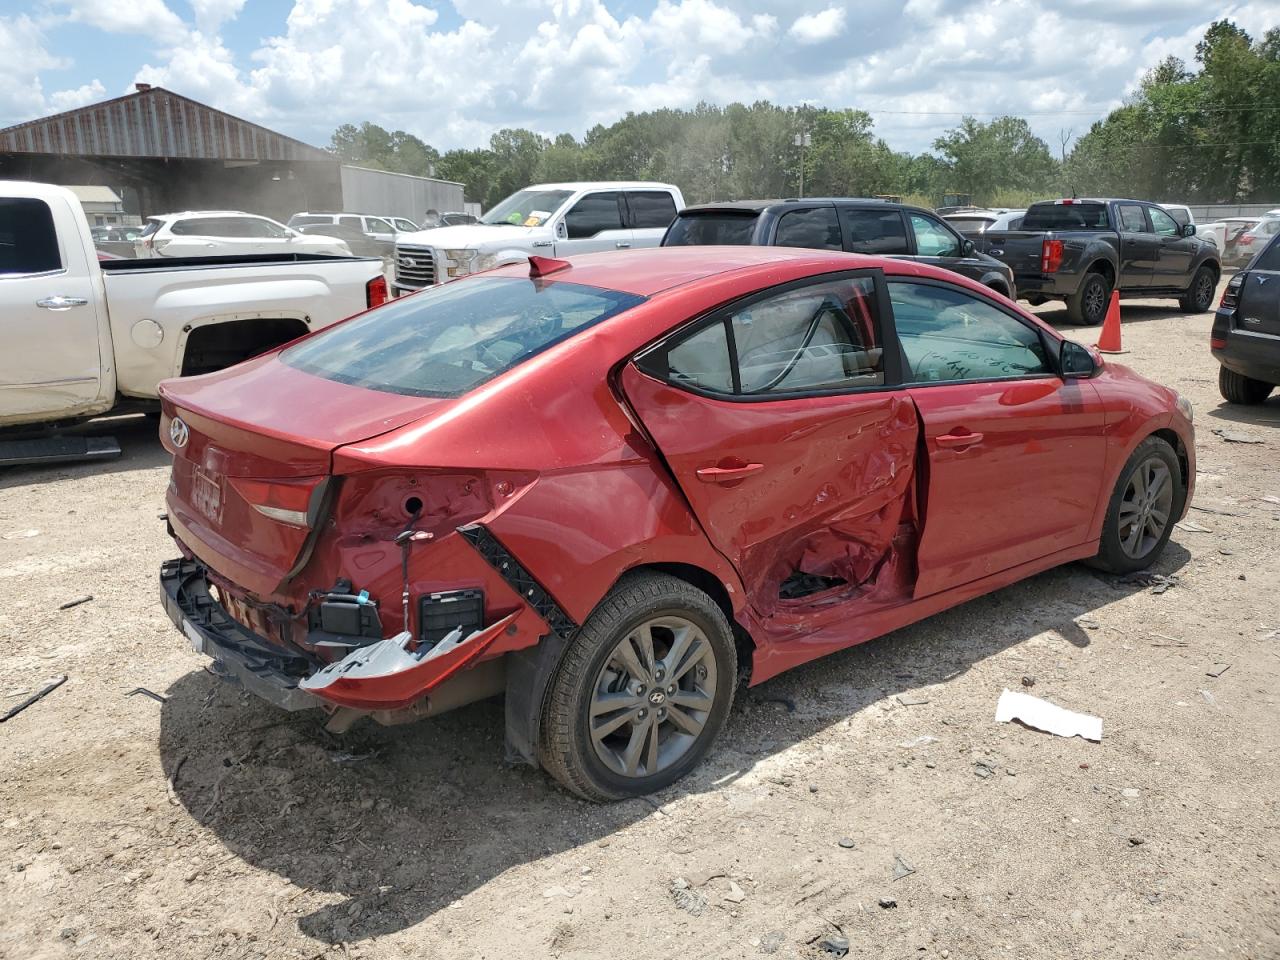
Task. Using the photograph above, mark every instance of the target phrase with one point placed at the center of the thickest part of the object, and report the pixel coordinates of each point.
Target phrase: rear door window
(593, 214)
(450, 339)
(650, 209)
(353, 222)
(1132, 219)
(878, 232)
(817, 228)
(28, 238)
(712, 229)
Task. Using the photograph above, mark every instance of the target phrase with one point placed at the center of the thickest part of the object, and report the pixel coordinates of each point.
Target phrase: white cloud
(212, 14)
(147, 17)
(70, 99)
(819, 27)
(23, 58)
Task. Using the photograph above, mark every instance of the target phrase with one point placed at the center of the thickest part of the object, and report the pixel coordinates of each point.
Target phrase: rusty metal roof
(154, 122)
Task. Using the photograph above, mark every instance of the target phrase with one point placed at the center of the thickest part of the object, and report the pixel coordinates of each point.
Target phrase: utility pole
(802, 140)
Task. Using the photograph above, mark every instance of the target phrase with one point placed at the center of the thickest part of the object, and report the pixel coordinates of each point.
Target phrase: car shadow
(140, 449)
(1266, 414)
(391, 825)
(1130, 312)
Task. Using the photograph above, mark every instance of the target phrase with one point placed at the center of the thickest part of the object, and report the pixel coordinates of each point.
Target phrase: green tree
(984, 159)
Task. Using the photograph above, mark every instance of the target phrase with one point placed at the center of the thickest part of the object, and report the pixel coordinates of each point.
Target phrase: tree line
(1202, 133)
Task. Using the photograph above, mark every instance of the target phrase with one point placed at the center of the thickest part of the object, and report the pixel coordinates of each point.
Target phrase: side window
(28, 238)
(374, 225)
(194, 228)
(593, 214)
(949, 334)
(353, 222)
(932, 238)
(650, 209)
(1131, 218)
(257, 227)
(1164, 224)
(874, 231)
(820, 337)
(817, 228)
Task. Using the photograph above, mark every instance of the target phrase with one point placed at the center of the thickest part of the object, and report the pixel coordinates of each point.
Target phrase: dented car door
(774, 418)
(1015, 452)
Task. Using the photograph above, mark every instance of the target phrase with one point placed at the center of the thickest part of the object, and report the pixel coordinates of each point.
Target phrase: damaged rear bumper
(240, 655)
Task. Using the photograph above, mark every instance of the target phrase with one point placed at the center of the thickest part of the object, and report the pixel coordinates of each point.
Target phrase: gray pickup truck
(1080, 250)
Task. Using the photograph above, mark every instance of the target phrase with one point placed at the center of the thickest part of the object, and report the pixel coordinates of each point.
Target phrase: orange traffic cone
(1109, 342)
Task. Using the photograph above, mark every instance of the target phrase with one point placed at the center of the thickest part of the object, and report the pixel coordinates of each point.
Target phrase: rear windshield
(1065, 216)
(711, 229)
(449, 340)
(297, 221)
(969, 224)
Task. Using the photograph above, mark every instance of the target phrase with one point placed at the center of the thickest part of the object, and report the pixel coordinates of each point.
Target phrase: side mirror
(1075, 362)
(1188, 229)
(562, 232)
(967, 247)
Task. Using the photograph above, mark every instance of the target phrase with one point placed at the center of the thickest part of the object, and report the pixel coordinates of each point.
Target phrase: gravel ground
(210, 825)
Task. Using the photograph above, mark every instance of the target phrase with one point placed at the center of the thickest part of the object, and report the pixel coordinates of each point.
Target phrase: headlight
(1185, 408)
(458, 262)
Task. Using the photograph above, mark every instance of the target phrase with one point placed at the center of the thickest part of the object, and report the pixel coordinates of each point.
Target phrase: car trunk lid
(251, 481)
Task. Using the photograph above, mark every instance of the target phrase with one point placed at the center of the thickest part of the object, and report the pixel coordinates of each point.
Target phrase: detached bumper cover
(260, 667)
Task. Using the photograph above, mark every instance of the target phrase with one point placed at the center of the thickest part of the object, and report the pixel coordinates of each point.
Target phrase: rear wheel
(1199, 296)
(1237, 388)
(642, 691)
(1147, 501)
(1088, 305)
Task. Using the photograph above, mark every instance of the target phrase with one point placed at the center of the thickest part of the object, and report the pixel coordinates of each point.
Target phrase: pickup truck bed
(1080, 251)
(83, 336)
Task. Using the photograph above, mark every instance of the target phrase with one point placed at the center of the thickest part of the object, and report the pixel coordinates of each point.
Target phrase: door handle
(61, 303)
(728, 474)
(958, 441)
(623, 244)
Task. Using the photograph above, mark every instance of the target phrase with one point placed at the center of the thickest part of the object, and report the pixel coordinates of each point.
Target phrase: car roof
(599, 185)
(196, 214)
(649, 271)
(755, 206)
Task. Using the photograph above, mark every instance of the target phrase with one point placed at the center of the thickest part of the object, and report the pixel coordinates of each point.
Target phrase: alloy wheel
(1204, 292)
(1095, 301)
(1146, 507)
(653, 696)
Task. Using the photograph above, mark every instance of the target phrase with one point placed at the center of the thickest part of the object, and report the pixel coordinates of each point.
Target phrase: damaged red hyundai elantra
(614, 488)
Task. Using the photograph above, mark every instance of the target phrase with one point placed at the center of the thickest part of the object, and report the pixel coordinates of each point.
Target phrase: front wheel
(642, 690)
(1237, 388)
(1088, 305)
(1147, 501)
(1199, 296)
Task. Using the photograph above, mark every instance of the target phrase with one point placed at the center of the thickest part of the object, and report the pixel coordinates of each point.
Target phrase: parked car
(84, 334)
(220, 233)
(974, 222)
(1223, 234)
(551, 219)
(361, 244)
(1245, 339)
(455, 219)
(607, 487)
(857, 225)
(115, 239)
(1249, 242)
(1080, 250)
(380, 228)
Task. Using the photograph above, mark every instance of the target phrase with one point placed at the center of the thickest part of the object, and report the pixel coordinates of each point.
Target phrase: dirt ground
(210, 825)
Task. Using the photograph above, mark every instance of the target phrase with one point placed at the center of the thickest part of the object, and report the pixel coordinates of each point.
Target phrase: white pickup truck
(550, 220)
(79, 337)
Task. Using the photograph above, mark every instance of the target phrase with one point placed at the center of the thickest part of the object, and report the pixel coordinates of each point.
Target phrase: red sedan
(611, 488)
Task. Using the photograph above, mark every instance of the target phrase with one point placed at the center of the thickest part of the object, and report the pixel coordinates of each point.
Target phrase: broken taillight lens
(286, 501)
(1050, 256)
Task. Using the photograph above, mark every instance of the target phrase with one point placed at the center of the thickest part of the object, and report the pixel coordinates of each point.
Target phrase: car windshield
(1066, 216)
(528, 208)
(447, 341)
(703, 229)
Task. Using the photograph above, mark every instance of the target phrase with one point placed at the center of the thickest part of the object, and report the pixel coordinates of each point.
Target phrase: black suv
(1245, 338)
(876, 227)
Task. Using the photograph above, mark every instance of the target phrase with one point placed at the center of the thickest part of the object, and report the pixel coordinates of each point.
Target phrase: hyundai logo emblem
(178, 432)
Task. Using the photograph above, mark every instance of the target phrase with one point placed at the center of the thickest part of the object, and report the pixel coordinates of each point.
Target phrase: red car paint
(583, 467)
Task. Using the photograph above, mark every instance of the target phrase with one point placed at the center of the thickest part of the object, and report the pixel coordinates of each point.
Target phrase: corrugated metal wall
(397, 194)
(1207, 213)
(153, 123)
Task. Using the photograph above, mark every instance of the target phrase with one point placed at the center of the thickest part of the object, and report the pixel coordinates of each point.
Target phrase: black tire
(1237, 388)
(566, 749)
(1199, 296)
(1088, 305)
(1111, 555)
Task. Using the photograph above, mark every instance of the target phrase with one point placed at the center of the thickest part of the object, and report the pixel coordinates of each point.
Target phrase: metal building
(165, 152)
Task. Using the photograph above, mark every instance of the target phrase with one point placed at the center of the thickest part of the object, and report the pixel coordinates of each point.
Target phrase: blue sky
(453, 71)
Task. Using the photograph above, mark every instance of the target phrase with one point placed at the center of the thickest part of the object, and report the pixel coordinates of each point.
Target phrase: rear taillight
(1217, 343)
(1050, 256)
(1231, 295)
(286, 501)
(375, 291)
